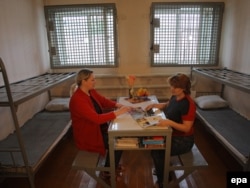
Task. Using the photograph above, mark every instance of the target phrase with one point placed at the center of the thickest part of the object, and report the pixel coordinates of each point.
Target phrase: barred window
(82, 35)
(184, 34)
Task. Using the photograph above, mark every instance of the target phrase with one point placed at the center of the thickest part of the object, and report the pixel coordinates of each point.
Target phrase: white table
(125, 125)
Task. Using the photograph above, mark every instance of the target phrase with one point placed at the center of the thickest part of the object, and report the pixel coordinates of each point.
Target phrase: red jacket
(86, 121)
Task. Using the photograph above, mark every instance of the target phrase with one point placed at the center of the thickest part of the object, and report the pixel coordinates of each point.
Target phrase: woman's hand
(164, 123)
(118, 105)
(183, 127)
(149, 107)
(156, 105)
(122, 110)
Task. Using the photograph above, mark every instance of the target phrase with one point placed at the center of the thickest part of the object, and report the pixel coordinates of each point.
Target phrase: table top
(126, 125)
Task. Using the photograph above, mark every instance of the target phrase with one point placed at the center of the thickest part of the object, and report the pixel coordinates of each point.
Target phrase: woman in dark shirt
(180, 114)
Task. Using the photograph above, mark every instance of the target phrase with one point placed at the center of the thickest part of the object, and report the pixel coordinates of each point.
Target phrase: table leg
(112, 161)
(167, 160)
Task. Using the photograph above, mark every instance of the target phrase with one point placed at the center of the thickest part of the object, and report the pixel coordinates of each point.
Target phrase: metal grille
(225, 76)
(185, 33)
(82, 35)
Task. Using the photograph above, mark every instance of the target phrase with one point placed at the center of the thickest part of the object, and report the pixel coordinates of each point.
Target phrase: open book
(144, 118)
(148, 121)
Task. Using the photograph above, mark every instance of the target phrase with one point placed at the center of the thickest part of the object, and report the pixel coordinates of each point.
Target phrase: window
(82, 35)
(184, 34)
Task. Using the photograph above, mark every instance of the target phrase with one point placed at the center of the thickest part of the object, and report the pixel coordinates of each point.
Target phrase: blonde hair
(83, 74)
(73, 89)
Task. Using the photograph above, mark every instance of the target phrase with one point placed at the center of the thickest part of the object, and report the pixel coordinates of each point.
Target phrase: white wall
(235, 49)
(23, 40)
(236, 36)
(23, 49)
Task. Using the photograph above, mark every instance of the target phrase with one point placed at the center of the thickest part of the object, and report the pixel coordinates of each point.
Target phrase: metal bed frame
(225, 76)
(11, 95)
(235, 80)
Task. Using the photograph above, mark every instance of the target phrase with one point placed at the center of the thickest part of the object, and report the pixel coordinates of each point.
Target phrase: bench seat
(91, 163)
(188, 162)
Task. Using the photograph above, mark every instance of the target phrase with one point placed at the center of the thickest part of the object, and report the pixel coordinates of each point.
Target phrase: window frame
(155, 23)
(53, 49)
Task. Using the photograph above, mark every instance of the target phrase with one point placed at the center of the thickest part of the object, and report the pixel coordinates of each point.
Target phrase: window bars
(82, 35)
(184, 34)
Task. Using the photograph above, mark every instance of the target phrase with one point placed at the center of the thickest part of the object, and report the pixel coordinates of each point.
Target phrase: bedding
(40, 133)
(58, 104)
(210, 102)
(230, 128)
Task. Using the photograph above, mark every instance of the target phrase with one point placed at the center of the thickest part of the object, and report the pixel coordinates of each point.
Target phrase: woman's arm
(157, 105)
(118, 105)
(122, 110)
(183, 127)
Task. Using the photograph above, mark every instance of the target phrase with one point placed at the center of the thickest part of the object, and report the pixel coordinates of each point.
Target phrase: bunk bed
(24, 151)
(229, 127)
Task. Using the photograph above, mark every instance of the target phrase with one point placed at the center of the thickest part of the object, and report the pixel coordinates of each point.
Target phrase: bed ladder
(13, 109)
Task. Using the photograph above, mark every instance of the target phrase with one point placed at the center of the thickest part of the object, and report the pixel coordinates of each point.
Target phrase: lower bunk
(231, 130)
(40, 135)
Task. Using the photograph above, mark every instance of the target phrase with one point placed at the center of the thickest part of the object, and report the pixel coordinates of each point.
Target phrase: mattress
(40, 134)
(230, 128)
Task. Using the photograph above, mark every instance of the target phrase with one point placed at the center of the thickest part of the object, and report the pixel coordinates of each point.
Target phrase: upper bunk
(225, 76)
(26, 89)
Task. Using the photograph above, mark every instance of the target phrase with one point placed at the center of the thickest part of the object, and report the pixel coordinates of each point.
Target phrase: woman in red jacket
(89, 121)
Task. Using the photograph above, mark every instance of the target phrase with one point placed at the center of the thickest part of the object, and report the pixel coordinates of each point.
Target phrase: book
(154, 145)
(128, 142)
(145, 118)
(147, 121)
(153, 140)
(131, 140)
(137, 112)
(127, 145)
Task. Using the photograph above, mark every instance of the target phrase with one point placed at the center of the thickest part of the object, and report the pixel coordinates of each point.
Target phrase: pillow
(58, 104)
(210, 102)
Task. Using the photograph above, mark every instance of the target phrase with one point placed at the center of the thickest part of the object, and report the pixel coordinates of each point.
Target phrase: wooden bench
(188, 162)
(91, 163)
